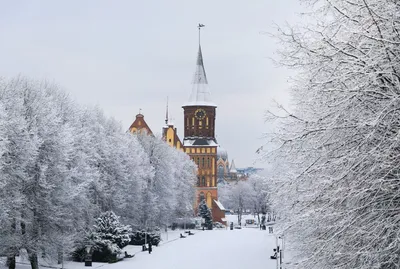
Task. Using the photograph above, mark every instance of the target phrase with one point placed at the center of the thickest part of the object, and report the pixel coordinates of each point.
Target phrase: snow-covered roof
(222, 153)
(201, 142)
(220, 206)
(200, 95)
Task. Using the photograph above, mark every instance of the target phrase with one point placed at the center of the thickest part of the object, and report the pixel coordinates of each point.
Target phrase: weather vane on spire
(200, 26)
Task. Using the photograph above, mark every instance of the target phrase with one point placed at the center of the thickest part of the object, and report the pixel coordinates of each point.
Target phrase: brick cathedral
(199, 138)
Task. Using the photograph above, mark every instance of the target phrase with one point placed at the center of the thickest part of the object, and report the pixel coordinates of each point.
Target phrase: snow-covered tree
(205, 213)
(336, 152)
(61, 165)
(168, 192)
(109, 233)
(259, 195)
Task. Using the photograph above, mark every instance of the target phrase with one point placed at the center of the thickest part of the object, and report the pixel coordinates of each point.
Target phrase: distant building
(140, 125)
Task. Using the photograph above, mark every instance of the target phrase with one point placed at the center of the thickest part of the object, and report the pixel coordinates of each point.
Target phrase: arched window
(208, 162)
(209, 200)
(203, 162)
(203, 181)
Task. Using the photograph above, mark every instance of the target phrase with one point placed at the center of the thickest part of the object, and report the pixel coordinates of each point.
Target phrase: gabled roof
(200, 95)
(220, 206)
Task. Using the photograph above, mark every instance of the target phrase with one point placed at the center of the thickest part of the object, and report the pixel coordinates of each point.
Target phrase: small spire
(166, 113)
(233, 167)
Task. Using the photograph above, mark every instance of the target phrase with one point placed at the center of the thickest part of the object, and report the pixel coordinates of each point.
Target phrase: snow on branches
(61, 165)
(337, 152)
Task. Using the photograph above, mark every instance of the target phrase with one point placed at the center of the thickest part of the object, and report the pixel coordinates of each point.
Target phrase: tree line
(62, 165)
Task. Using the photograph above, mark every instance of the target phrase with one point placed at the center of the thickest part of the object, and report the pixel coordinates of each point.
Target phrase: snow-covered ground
(245, 248)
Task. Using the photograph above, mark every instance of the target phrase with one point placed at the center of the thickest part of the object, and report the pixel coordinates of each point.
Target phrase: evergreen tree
(109, 229)
(109, 236)
(205, 213)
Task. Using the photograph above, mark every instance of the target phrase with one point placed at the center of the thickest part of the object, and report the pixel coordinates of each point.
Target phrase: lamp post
(88, 257)
(282, 238)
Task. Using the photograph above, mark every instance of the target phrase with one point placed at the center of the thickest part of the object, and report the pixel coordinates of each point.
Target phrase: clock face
(200, 114)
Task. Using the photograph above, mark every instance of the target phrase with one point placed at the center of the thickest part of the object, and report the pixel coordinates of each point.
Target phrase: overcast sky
(126, 55)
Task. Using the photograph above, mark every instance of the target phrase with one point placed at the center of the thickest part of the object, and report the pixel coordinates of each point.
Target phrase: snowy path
(223, 249)
(246, 248)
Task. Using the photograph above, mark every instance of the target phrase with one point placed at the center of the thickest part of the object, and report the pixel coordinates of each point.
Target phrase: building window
(208, 162)
(209, 200)
(200, 123)
(193, 121)
(203, 181)
(203, 163)
(169, 140)
(198, 181)
(207, 121)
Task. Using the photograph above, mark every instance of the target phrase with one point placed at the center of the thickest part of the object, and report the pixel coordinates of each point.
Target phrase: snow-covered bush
(139, 238)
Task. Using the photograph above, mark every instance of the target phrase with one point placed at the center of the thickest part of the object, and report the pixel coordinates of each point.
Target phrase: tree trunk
(33, 260)
(60, 255)
(11, 261)
(12, 250)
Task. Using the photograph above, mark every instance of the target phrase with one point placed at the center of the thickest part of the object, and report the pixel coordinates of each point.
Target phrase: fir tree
(205, 213)
(109, 235)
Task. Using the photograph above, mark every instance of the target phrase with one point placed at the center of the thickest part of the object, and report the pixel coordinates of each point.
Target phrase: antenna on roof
(140, 111)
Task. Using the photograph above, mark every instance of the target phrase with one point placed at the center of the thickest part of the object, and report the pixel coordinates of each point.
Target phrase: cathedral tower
(199, 139)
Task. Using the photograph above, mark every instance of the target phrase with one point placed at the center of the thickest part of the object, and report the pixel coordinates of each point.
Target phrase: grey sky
(126, 55)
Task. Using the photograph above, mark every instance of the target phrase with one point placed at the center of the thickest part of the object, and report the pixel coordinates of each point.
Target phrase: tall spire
(200, 95)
